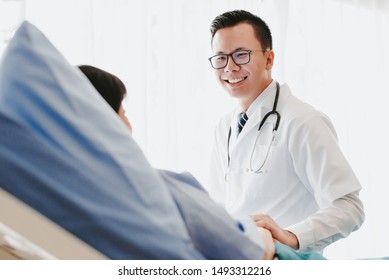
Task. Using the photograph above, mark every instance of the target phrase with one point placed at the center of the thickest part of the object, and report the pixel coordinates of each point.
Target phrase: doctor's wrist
(293, 241)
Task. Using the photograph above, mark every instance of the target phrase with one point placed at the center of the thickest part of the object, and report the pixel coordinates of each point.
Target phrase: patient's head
(110, 87)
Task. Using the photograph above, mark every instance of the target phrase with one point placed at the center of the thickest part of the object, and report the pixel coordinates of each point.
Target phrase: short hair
(110, 87)
(232, 18)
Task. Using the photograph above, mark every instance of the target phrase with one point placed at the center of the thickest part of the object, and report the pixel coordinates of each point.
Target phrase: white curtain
(332, 53)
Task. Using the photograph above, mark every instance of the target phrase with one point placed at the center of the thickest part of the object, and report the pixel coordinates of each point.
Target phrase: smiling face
(244, 82)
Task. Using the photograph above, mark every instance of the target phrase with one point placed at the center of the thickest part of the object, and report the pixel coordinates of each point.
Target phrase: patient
(201, 216)
(110, 87)
(65, 154)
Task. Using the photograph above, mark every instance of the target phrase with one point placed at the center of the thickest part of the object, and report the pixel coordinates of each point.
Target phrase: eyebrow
(237, 49)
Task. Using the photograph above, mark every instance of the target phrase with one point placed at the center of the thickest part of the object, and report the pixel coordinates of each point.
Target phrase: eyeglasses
(240, 57)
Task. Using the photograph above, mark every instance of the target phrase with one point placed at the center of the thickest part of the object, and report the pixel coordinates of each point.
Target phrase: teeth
(234, 81)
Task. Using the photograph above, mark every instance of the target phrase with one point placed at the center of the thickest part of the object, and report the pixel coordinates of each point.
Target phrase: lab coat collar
(261, 105)
(265, 99)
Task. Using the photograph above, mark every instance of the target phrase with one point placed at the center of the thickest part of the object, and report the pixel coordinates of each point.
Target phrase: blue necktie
(242, 121)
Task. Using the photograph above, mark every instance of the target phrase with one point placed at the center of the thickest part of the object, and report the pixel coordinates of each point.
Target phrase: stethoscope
(275, 128)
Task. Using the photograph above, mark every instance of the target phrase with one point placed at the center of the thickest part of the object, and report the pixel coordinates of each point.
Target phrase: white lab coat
(307, 185)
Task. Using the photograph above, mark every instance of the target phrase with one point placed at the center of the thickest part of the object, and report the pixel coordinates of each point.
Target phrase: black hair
(232, 18)
(110, 87)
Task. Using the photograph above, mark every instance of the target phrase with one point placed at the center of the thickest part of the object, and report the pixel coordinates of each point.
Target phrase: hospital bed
(27, 234)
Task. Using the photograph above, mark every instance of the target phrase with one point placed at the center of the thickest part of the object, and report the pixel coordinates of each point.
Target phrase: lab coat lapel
(260, 110)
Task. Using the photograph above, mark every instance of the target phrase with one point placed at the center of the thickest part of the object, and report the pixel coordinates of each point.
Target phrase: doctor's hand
(268, 244)
(279, 234)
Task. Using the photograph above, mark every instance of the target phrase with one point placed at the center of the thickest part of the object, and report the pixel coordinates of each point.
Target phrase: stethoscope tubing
(272, 112)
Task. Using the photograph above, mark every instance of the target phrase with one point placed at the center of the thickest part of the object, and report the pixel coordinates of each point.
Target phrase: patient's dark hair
(232, 18)
(111, 88)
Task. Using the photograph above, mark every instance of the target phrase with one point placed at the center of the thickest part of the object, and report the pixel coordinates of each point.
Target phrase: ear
(269, 59)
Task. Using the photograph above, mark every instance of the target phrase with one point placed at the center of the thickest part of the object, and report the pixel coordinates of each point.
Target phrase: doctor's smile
(235, 81)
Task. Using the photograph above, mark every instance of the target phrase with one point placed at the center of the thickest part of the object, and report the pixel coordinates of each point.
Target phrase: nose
(231, 65)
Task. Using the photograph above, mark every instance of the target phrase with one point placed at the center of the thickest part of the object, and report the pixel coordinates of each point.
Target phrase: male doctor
(276, 158)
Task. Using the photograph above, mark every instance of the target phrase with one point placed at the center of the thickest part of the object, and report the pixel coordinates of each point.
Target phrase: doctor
(276, 158)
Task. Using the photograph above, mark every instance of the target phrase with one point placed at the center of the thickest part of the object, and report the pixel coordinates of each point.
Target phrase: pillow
(68, 155)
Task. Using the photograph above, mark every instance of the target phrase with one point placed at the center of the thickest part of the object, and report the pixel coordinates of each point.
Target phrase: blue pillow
(68, 155)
